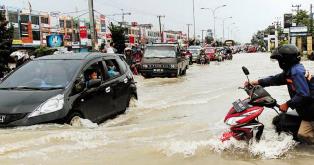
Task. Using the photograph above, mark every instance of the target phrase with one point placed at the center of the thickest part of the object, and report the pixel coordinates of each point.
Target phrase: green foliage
(302, 18)
(284, 42)
(191, 42)
(6, 38)
(118, 37)
(209, 40)
(43, 51)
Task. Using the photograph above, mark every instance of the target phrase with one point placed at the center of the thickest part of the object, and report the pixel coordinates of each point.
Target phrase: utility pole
(194, 20)
(298, 10)
(297, 6)
(160, 31)
(188, 31)
(92, 22)
(203, 36)
(123, 14)
(311, 19)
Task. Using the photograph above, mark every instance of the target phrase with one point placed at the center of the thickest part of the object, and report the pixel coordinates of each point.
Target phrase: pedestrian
(300, 87)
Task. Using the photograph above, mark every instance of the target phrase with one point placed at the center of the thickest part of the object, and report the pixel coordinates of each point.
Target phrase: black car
(61, 88)
(163, 60)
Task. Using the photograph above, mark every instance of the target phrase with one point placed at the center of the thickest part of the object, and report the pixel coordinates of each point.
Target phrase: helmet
(287, 56)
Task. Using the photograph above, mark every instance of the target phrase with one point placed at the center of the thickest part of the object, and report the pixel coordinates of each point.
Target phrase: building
(66, 29)
(44, 27)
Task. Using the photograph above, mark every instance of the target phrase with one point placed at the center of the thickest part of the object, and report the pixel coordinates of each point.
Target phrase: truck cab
(163, 60)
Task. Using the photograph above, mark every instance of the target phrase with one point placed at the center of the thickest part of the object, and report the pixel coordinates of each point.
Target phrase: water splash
(270, 146)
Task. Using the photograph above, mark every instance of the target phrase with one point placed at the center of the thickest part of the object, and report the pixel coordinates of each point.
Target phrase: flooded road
(175, 121)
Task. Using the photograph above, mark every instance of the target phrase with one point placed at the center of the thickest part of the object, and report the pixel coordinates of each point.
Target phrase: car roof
(77, 56)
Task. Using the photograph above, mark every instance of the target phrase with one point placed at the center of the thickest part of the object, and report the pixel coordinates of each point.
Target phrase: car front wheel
(74, 119)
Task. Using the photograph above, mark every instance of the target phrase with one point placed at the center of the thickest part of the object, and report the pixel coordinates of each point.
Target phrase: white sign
(35, 27)
(286, 30)
(298, 29)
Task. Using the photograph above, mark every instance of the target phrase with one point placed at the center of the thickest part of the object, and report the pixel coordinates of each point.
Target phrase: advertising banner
(55, 40)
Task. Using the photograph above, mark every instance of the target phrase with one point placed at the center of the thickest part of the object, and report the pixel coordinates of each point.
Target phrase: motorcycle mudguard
(288, 123)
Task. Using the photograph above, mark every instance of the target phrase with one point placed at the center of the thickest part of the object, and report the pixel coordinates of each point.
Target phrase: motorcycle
(229, 56)
(243, 116)
(203, 59)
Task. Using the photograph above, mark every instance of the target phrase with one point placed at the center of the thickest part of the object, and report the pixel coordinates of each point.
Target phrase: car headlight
(51, 105)
(145, 66)
(172, 66)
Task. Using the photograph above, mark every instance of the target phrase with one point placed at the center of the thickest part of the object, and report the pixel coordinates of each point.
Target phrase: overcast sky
(248, 15)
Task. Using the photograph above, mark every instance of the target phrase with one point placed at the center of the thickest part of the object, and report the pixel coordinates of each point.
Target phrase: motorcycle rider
(299, 85)
(128, 55)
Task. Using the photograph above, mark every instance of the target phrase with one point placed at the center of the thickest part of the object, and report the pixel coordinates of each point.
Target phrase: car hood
(21, 101)
(159, 60)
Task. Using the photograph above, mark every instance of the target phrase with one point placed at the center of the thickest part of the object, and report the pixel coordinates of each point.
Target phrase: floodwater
(175, 121)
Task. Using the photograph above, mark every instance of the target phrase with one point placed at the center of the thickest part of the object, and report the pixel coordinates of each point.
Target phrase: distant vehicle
(210, 52)
(195, 50)
(163, 60)
(229, 43)
(64, 88)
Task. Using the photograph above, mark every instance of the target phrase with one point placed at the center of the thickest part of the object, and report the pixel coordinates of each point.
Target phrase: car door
(118, 86)
(94, 102)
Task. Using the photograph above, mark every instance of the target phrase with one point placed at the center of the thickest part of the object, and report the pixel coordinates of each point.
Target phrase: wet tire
(74, 118)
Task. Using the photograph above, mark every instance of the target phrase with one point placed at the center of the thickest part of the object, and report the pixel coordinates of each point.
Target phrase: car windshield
(195, 47)
(160, 51)
(42, 74)
(210, 50)
(194, 51)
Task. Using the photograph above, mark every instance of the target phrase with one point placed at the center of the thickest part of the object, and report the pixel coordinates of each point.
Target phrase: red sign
(108, 35)
(83, 32)
(131, 39)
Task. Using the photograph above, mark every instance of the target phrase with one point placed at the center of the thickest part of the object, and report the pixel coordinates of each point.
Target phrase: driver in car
(298, 80)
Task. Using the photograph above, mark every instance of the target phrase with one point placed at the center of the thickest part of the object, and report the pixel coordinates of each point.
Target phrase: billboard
(287, 20)
(54, 40)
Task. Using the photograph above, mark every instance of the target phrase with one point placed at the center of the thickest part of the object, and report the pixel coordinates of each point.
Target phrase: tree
(302, 18)
(118, 37)
(191, 42)
(209, 40)
(6, 38)
(43, 51)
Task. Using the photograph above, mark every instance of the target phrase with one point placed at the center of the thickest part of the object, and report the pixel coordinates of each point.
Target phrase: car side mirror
(93, 83)
(245, 70)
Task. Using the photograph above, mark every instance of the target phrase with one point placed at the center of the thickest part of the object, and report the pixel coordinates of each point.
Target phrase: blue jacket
(298, 87)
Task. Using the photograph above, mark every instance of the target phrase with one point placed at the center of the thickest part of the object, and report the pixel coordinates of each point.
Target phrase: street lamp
(230, 29)
(214, 15)
(223, 28)
(194, 18)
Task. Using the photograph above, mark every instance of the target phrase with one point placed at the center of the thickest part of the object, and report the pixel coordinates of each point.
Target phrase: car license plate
(158, 70)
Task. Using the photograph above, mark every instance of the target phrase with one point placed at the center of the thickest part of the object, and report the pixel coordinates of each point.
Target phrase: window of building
(61, 23)
(36, 35)
(35, 20)
(16, 34)
(68, 24)
(24, 18)
(44, 20)
(24, 30)
(13, 17)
